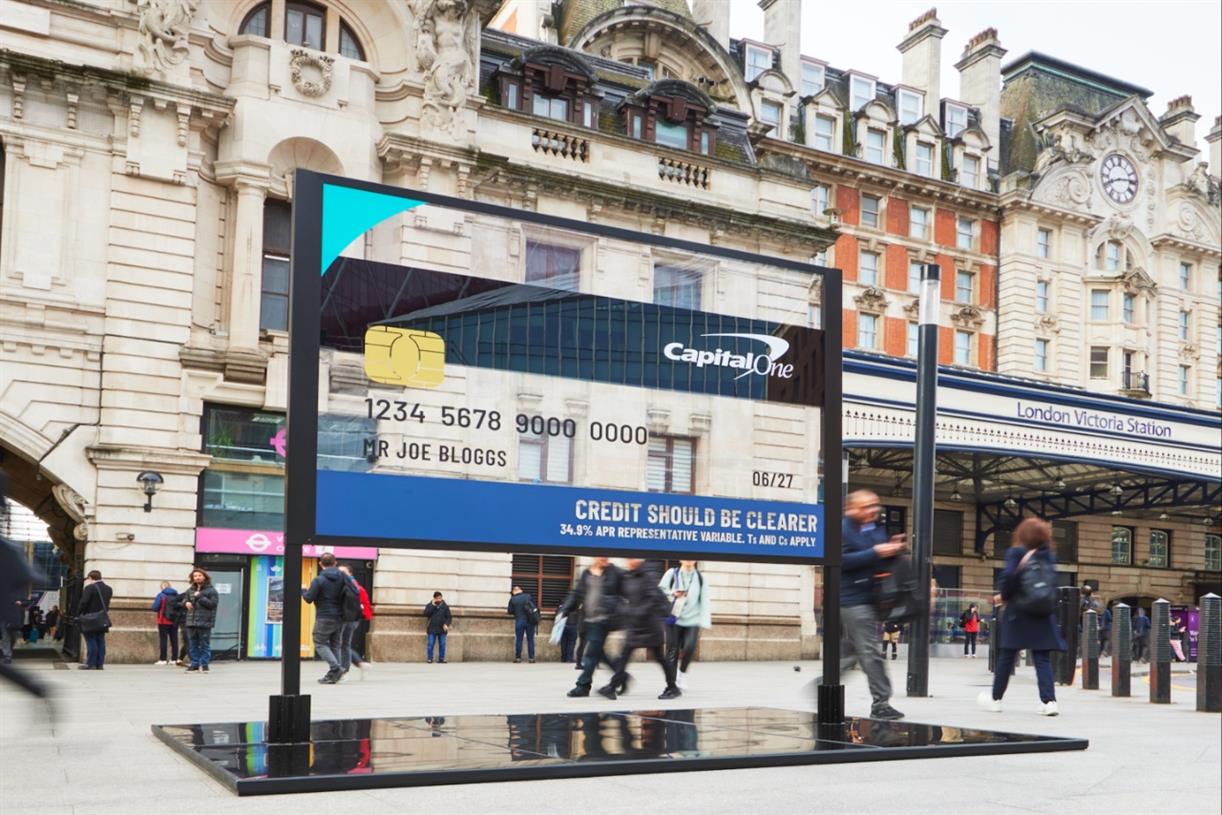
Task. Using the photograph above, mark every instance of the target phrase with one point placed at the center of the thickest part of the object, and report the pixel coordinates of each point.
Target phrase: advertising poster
(509, 384)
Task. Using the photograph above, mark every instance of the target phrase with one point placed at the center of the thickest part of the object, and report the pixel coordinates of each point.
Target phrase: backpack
(896, 595)
(350, 603)
(533, 616)
(1038, 594)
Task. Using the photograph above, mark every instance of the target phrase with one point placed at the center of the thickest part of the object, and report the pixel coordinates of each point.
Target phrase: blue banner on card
(406, 508)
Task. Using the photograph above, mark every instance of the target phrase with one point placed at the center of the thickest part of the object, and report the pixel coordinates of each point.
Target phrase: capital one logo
(750, 363)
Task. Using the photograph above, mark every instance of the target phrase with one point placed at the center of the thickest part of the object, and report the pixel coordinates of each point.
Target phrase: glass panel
(239, 434)
(349, 45)
(812, 79)
(971, 171)
(256, 22)
(1041, 355)
(1160, 546)
(914, 276)
(1041, 296)
(676, 286)
(294, 26)
(862, 92)
(867, 331)
(555, 266)
(1043, 242)
(274, 299)
(825, 130)
(671, 135)
(918, 223)
(242, 500)
(1098, 362)
(924, 159)
(964, 286)
(914, 340)
(1098, 304)
(868, 275)
(530, 457)
(963, 348)
(1122, 545)
(1213, 552)
(963, 231)
(875, 143)
(869, 210)
(277, 227)
(313, 31)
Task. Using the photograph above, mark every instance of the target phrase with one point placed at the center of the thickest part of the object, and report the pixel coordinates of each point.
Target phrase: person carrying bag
(93, 619)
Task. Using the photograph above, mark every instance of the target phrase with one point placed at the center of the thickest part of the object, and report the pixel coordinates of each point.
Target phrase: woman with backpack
(1028, 593)
(199, 602)
(642, 614)
(689, 612)
(167, 628)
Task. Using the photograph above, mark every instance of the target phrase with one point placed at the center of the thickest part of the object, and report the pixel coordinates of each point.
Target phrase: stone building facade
(148, 151)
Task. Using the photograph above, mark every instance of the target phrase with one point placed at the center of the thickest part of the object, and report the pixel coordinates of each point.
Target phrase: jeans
(95, 649)
(440, 640)
(199, 646)
(1105, 642)
(596, 637)
(521, 627)
(328, 633)
(861, 634)
(1006, 658)
(167, 639)
(681, 644)
(969, 639)
(345, 645)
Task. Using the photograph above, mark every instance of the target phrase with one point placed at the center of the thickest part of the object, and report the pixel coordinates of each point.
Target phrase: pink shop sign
(253, 542)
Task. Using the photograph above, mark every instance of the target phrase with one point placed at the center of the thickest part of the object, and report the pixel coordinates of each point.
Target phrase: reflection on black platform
(427, 748)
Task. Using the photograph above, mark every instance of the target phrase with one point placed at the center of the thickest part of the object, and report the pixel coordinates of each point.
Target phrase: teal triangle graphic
(348, 212)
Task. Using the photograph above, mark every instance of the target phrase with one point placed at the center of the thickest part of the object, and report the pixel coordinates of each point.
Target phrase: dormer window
(1113, 257)
(861, 91)
(758, 60)
(970, 175)
(924, 159)
(672, 113)
(876, 141)
(955, 120)
(911, 105)
(814, 76)
(770, 113)
(825, 133)
(552, 84)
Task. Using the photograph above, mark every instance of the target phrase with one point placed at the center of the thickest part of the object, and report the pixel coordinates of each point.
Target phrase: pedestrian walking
(866, 548)
(1141, 636)
(891, 636)
(438, 627)
(93, 617)
(642, 615)
(53, 619)
(364, 617)
(568, 641)
(526, 617)
(598, 596)
(1028, 576)
(1176, 634)
(326, 593)
(690, 611)
(16, 576)
(199, 604)
(970, 621)
(1105, 632)
(167, 628)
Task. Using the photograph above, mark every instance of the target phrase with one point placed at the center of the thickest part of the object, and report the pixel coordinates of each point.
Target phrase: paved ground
(100, 759)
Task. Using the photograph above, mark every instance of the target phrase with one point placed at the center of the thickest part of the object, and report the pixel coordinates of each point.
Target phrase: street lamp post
(923, 475)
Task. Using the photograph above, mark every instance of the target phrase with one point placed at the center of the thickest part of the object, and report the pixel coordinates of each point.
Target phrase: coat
(204, 601)
(326, 592)
(611, 597)
(439, 615)
(859, 562)
(1019, 630)
(164, 604)
(520, 606)
(644, 610)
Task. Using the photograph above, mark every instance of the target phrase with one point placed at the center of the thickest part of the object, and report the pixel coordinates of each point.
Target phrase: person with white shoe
(1022, 630)
(689, 612)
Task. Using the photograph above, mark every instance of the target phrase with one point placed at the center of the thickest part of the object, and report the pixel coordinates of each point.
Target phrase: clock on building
(1119, 178)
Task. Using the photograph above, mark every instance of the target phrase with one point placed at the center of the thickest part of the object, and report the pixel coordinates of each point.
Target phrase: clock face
(1119, 178)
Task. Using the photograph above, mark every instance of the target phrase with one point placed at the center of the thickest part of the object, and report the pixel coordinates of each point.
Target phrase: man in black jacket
(95, 597)
(599, 594)
(438, 626)
(326, 592)
(525, 619)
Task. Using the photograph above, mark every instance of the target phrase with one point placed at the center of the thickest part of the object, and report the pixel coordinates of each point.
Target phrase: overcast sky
(1170, 48)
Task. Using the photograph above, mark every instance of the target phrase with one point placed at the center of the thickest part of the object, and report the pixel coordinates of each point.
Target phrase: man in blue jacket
(865, 546)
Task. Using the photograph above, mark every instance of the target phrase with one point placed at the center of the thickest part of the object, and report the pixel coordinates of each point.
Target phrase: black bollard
(1122, 650)
(1090, 650)
(1160, 652)
(1209, 655)
(1063, 664)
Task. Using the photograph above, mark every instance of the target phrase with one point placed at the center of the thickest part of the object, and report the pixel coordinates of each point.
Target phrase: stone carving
(872, 300)
(164, 25)
(1060, 146)
(1188, 222)
(75, 506)
(1048, 324)
(1137, 281)
(320, 64)
(968, 317)
(446, 44)
(1071, 189)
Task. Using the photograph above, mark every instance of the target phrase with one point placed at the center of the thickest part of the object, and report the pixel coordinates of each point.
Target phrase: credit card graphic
(404, 357)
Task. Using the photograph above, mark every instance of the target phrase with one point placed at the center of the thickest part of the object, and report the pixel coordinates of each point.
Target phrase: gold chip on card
(404, 357)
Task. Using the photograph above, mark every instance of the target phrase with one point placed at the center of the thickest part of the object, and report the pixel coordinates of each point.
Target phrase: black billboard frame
(289, 711)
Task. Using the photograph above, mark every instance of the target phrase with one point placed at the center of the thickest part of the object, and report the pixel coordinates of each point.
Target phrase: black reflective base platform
(347, 754)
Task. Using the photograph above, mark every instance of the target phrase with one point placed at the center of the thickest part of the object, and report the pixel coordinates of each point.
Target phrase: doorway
(227, 632)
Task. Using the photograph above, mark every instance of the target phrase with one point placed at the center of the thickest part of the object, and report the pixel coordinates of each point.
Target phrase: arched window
(1113, 256)
(305, 24)
(258, 21)
(349, 44)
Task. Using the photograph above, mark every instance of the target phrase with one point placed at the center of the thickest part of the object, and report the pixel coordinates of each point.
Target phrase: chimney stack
(714, 16)
(922, 50)
(1214, 139)
(783, 29)
(1180, 120)
(980, 81)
